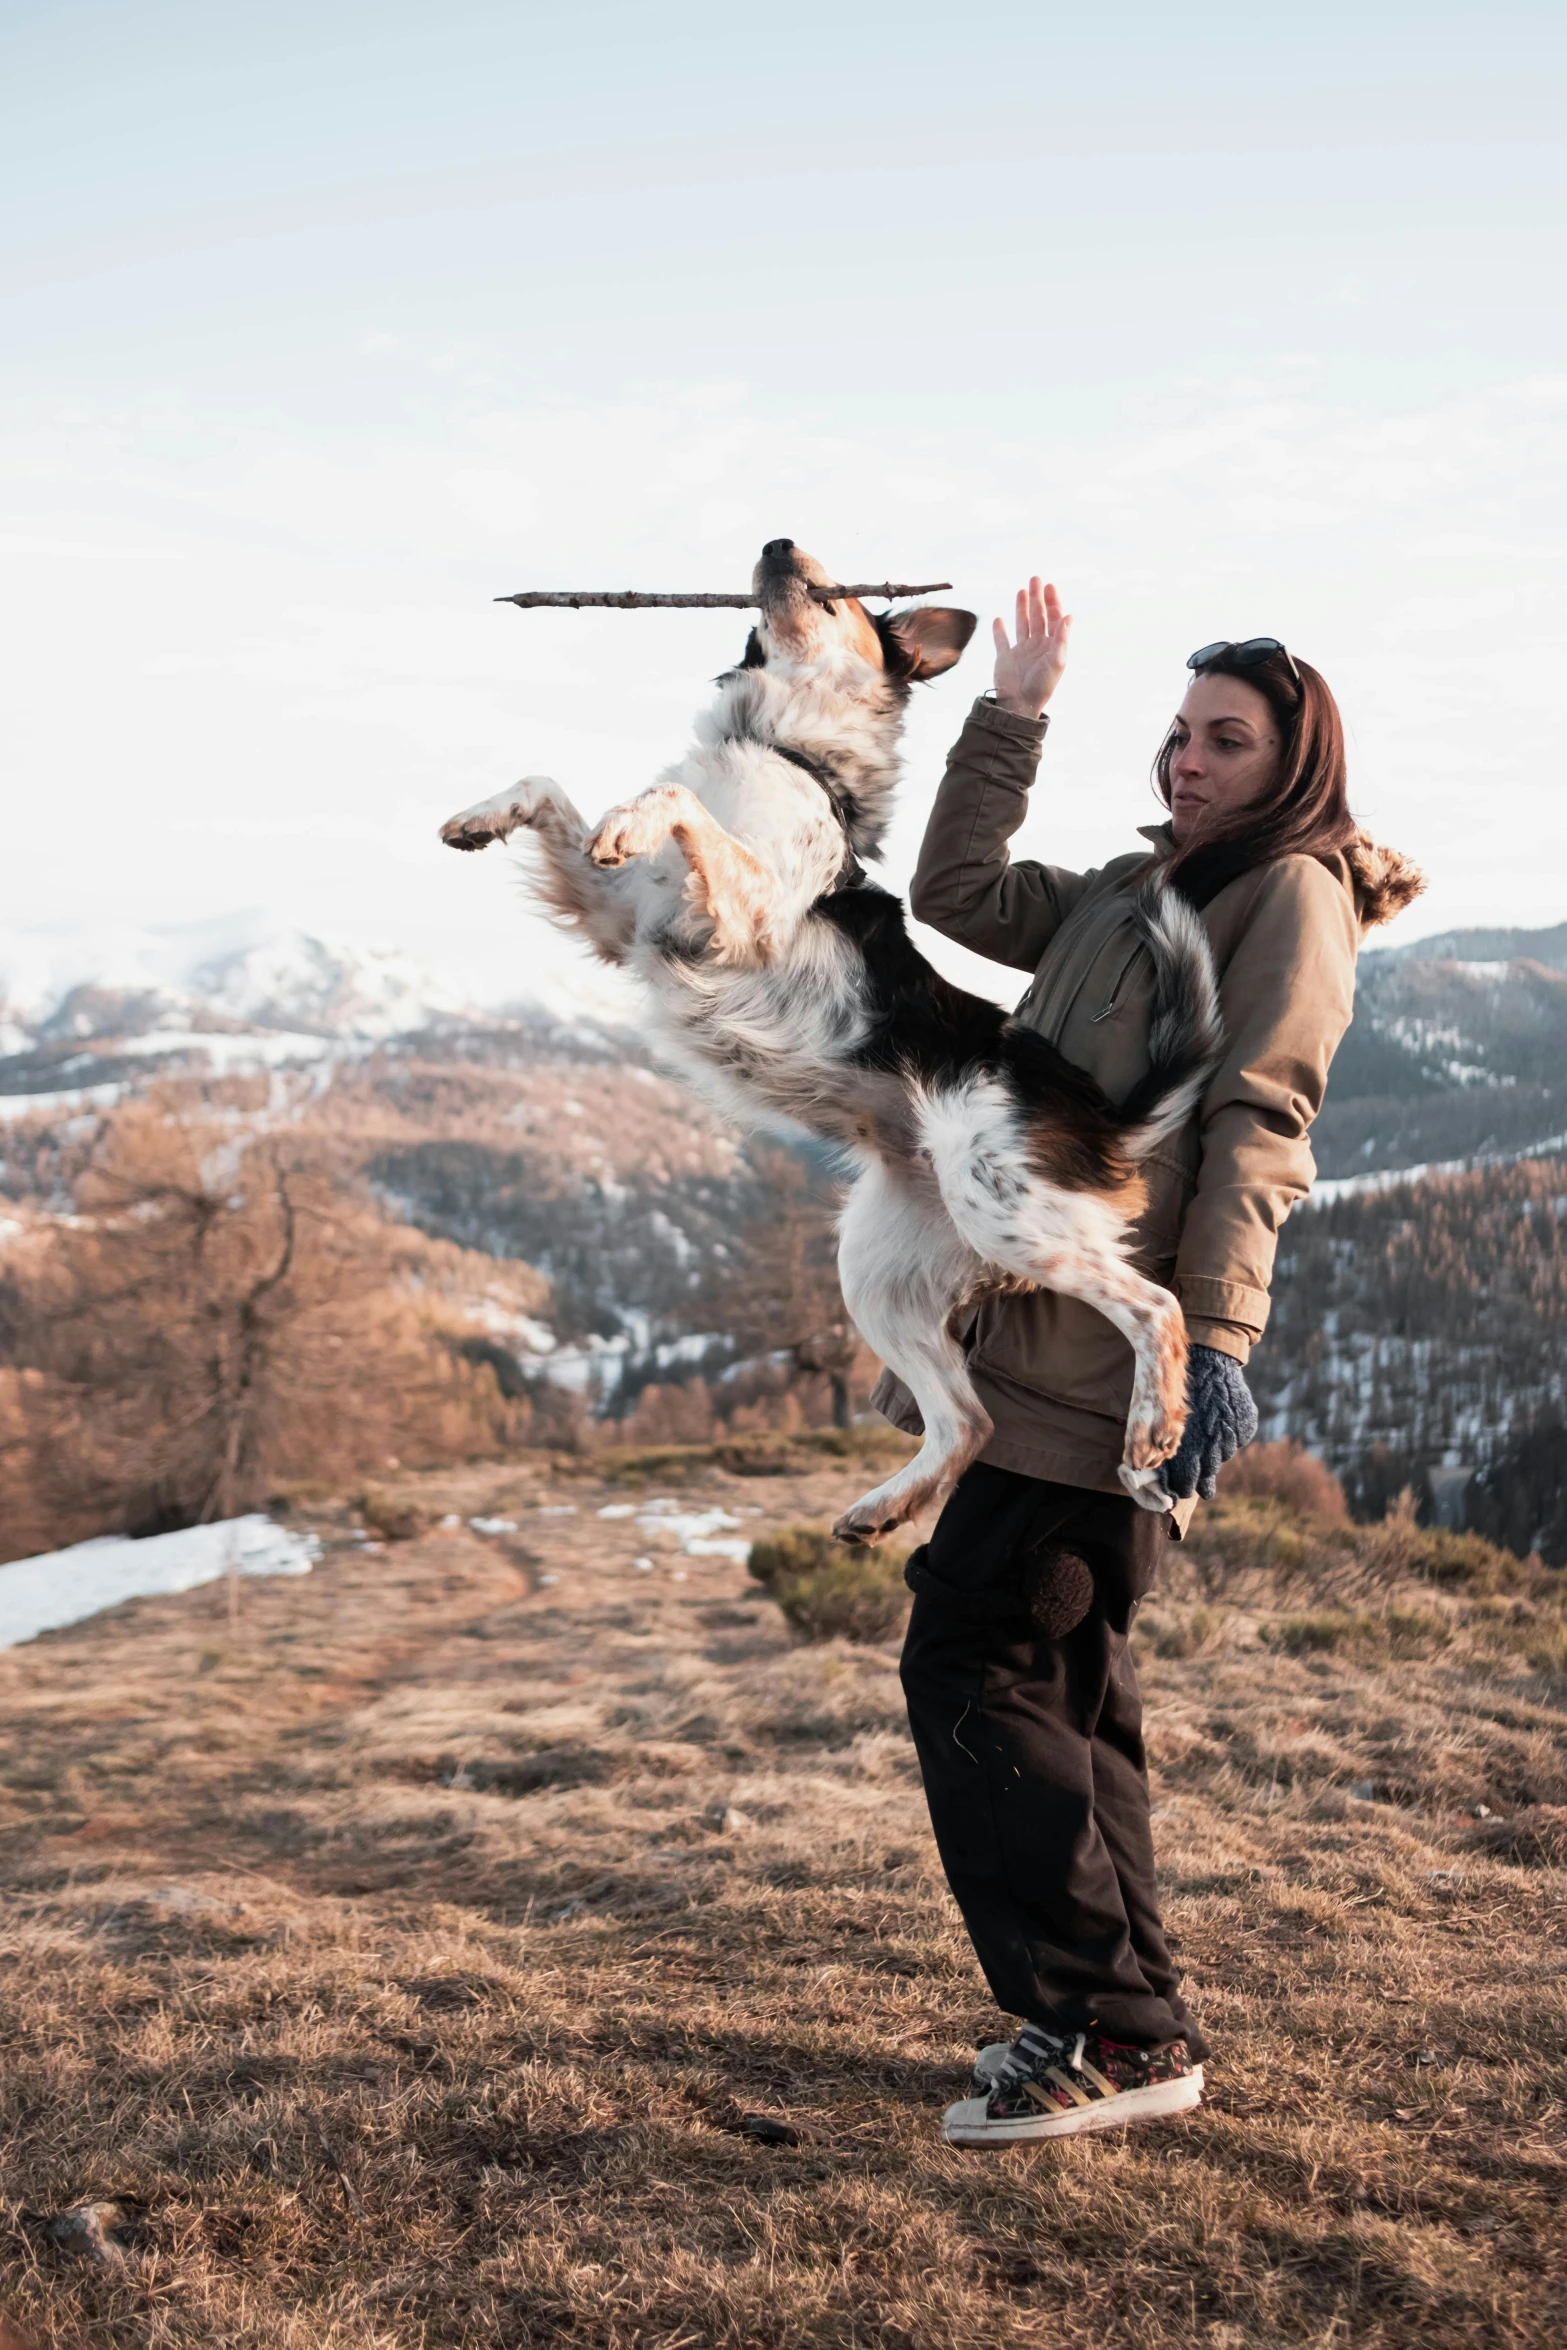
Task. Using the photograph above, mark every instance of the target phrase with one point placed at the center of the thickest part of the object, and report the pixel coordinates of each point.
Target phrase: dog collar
(841, 801)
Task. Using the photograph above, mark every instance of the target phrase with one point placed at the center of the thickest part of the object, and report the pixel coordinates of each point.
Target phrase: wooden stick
(632, 600)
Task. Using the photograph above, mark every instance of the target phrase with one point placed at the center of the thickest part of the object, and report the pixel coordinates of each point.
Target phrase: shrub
(1315, 1635)
(794, 1550)
(1414, 1631)
(830, 1591)
(867, 1440)
(1286, 1473)
(1535, 1837)
(1547, 1651)
(659, 1464)
(391, 1520)
(1178, 1636)
(1431, 1554)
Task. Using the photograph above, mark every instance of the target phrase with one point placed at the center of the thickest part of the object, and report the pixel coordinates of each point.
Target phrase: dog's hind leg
(571, 889)
(905, 1273)
(1066, 1240)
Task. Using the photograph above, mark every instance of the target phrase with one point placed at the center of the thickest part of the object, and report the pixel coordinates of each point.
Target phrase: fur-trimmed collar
(1386, 881)
(1383, 881)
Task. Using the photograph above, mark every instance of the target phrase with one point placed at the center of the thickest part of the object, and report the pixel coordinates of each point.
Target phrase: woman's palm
(1029, 670)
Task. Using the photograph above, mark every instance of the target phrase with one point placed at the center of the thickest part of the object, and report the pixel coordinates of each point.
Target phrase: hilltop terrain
(489, 1937)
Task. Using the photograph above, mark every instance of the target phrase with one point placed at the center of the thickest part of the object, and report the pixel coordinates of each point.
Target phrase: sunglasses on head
(1245, 655)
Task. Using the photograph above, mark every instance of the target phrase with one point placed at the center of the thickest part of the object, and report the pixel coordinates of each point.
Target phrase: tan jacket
(1053, 1374)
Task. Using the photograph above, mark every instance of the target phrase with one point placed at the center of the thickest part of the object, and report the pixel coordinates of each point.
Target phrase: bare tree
(211, 1321)
(784, 1297)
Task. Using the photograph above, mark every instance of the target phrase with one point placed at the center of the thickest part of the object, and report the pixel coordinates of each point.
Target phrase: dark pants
(1031, 1748)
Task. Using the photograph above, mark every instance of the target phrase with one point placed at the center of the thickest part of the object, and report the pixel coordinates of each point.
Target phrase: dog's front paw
(635, 830)
(1145, 1489)
(613, 842)
(495, 818)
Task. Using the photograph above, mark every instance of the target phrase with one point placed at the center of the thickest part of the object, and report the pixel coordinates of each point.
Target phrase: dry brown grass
(408, 1970)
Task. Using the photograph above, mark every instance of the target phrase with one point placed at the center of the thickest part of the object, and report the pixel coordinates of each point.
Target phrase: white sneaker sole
(969, 2124)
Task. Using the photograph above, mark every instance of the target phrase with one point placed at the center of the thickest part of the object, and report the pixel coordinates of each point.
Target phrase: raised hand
(1028, 672)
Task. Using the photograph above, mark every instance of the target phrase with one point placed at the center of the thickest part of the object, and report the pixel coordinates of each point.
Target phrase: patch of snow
(618, 1509)
(91, 1097)
(228, 1052)
(689, 1349)
(62, 1586)
(493, 1525)
(692, 1531)
(1388, 1178)
(600, 1363)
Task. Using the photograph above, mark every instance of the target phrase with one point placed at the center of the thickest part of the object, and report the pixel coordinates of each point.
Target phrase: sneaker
(987, 2064)
(1049, 2087)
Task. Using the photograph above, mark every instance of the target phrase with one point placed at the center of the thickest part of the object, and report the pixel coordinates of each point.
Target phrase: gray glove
(1222, 1417)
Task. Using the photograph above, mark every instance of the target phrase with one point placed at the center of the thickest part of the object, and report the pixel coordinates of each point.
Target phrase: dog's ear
(926, 640)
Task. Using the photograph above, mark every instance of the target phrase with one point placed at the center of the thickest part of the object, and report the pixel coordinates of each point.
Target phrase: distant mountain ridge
(329, 987)
(1458, 1050)
(294, 982)
(1485, 946)
(295, 995)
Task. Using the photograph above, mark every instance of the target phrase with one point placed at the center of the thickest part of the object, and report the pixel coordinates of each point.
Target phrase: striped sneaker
(987, 2064)
(1048, 2087)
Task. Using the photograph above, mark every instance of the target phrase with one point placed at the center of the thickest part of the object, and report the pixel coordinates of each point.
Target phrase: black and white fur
(787, 986)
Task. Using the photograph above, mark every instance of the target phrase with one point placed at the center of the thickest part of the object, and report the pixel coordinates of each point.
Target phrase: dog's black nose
(776, 549)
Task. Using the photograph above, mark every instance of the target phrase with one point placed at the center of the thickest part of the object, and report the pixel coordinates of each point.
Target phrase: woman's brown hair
(1306, 814)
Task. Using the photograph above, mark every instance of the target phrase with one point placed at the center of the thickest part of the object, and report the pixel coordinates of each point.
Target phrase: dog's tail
(1187, 1034)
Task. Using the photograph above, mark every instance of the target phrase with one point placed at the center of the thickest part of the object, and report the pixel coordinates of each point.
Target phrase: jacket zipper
(1113, 998)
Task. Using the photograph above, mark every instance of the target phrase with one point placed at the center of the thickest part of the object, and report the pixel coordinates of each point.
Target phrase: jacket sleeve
(965, 884)
(1286, 994)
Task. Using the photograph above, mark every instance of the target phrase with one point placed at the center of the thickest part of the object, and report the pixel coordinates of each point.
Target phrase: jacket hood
(1385, 881)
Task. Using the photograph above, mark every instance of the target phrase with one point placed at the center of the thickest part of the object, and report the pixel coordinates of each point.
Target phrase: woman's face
(1225, 753)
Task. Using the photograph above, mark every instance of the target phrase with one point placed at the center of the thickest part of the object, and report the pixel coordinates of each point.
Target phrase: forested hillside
(1423, 1327)
(1458, 1048)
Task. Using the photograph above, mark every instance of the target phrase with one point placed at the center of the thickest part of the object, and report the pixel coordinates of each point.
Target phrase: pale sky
(327, 323)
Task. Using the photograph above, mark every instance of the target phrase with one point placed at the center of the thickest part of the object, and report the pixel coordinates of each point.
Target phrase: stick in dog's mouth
(634, 600)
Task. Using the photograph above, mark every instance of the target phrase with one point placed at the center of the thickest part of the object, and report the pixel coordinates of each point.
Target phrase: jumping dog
(785, 984)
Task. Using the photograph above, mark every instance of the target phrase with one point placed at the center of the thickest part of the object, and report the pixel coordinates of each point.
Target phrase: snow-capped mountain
(289, 981)
(250, 1001)
(328, 987)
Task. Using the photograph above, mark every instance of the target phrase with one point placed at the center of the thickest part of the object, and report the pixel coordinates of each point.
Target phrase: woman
(1021, 1692)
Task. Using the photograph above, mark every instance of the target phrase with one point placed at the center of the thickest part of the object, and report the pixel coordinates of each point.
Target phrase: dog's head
(899, 648)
